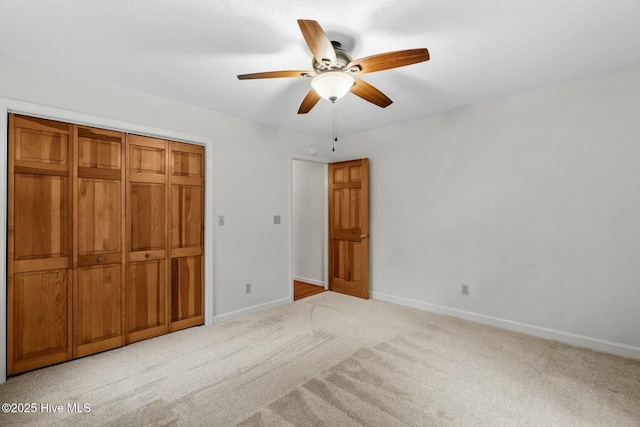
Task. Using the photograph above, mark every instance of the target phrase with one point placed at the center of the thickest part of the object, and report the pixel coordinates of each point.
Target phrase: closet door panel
(147, 211)
(186, 218)
(98, 309)
(95, 152)
(41, 208)
(147, 156)
(100, 210)
(186, 291)
(186, 160)
(40, 317)
(40, 146)
(146, 299)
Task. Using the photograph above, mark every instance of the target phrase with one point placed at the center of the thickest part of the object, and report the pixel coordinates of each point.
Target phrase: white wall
(531, 200)
(308, 221)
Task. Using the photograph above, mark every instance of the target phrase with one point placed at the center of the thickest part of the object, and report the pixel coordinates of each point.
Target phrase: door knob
(100, 259)
(363, 236)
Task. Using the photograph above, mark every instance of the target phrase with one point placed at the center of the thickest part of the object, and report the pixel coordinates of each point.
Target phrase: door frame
(34, 110)
(325, 203)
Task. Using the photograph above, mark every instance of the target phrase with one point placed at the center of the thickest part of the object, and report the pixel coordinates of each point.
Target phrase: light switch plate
(276, 219)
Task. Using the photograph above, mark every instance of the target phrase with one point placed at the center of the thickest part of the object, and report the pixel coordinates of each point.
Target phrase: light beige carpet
(337, 361)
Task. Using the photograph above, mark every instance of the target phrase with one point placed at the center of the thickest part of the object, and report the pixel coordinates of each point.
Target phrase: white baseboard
(310, 281)
(538, 331)
(253, 309)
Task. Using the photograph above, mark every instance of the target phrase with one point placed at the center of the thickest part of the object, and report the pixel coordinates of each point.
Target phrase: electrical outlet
(247, 288)
(464, 290)
(221, 220)
(276, 219)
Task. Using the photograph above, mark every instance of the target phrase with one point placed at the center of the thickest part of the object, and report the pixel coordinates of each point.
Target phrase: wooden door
(147, 227)
(186, 163)
(349, 227)
(39, 244)
(98, 297)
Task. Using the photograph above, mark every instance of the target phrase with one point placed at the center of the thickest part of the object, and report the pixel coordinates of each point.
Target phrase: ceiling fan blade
(276, 74)
(386, 61)
(369, 93)
(318, 42)
(309, 102)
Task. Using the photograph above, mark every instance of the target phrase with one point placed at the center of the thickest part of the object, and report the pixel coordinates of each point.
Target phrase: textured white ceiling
(192, 50)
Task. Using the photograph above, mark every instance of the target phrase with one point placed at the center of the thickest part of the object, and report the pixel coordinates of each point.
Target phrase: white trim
(209, 230)
(8, 105)
(253, 309)
(538, 331)
(293, 157)
(4, 143)
(44, 112)
(326, 226)
(310, 281)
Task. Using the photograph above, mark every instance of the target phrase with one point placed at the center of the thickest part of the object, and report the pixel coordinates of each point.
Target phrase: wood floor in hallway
(303, 290)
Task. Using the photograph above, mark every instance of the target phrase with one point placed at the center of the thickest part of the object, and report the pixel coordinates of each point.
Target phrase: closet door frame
(35, 110)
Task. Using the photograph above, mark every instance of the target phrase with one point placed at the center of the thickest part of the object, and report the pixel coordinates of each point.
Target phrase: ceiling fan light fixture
(332, 85)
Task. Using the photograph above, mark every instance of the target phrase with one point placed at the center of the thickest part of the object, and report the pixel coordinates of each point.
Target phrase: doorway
(309, 226)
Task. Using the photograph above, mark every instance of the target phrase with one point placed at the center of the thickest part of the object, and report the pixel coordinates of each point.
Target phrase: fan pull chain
(335, 127)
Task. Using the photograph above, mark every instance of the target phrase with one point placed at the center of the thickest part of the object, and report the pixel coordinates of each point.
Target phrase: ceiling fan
(334, 72)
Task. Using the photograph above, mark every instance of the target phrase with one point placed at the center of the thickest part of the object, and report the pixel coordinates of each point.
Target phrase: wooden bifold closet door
(98, 219)
(39, 254)
(147, 229)
(186, 163)
(105, 240)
